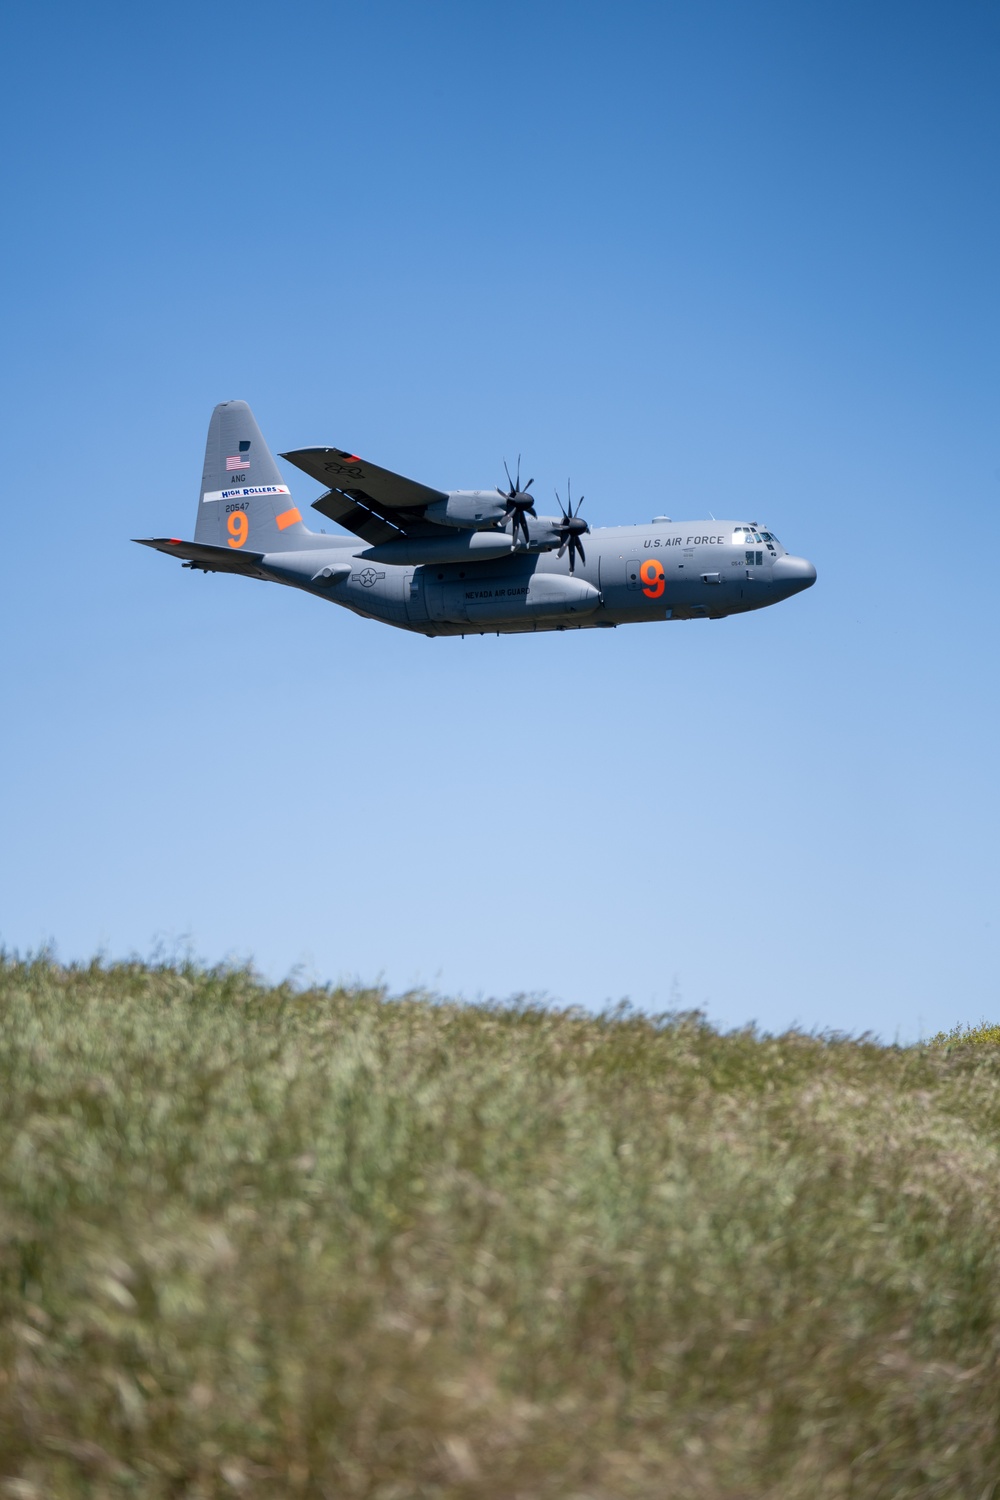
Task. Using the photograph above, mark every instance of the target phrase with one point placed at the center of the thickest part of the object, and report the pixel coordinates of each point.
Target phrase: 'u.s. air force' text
(685, 541)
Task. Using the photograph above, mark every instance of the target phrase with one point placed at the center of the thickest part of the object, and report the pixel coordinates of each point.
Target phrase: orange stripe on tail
(288, 518)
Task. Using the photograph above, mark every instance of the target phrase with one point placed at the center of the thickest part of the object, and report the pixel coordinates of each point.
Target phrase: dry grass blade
(260, 1242)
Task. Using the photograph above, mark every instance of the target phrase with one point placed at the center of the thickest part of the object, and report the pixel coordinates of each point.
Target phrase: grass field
(262, 1242)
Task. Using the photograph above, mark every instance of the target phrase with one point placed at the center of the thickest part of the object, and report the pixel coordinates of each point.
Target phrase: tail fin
(244, 502)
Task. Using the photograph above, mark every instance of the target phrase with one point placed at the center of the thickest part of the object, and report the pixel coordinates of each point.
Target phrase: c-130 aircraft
(465, 562)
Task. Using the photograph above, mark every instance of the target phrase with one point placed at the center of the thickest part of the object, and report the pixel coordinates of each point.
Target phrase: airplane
(465, 562)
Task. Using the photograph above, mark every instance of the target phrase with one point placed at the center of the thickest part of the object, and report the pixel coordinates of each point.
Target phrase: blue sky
(715, 258)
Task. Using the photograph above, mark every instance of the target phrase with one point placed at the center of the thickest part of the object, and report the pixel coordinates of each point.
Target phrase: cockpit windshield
(750, 531)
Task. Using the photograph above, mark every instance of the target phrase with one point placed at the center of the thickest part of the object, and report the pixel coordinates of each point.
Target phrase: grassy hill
(258, 1242)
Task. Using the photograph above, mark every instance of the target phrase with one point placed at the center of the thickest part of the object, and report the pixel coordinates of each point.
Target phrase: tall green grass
(258, 1242)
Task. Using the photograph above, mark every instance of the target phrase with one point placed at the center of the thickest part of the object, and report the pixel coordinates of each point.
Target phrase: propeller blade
(583, 555)
(527, 487)
(562, 549)
(509, 480)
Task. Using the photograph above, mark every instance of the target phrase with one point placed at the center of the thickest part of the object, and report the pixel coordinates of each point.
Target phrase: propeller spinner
(519, 502)
(571, 529)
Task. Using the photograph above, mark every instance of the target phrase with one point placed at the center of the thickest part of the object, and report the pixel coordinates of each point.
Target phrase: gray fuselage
(666, 570)
(464, 562)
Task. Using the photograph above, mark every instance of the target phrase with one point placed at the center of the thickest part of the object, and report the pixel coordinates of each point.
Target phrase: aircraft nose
(793, 574)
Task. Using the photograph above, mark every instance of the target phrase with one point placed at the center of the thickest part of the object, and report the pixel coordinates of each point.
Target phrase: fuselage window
(750, 556)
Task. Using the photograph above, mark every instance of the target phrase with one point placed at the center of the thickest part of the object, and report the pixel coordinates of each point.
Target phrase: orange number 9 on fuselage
(653, 581)
(238, 527)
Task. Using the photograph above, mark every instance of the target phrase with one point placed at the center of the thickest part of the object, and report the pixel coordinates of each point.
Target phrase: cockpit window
(747, 533)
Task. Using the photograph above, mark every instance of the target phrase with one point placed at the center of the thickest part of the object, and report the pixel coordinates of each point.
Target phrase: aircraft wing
(201, 555)
(374, 503)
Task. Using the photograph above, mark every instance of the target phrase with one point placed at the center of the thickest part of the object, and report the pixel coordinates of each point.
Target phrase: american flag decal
(239, 461)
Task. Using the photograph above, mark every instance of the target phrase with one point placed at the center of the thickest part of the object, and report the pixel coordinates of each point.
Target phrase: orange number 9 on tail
(238, 527)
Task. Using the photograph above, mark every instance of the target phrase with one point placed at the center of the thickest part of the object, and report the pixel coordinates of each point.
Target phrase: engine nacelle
(467, 508)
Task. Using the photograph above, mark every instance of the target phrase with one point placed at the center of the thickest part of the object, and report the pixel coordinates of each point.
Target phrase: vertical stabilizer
(244, 501)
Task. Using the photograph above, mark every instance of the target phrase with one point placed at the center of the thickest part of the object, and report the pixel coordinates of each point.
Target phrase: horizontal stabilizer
(202, 555)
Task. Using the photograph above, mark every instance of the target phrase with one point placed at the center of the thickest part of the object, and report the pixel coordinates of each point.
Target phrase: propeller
(519, 502)
(572, 528)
